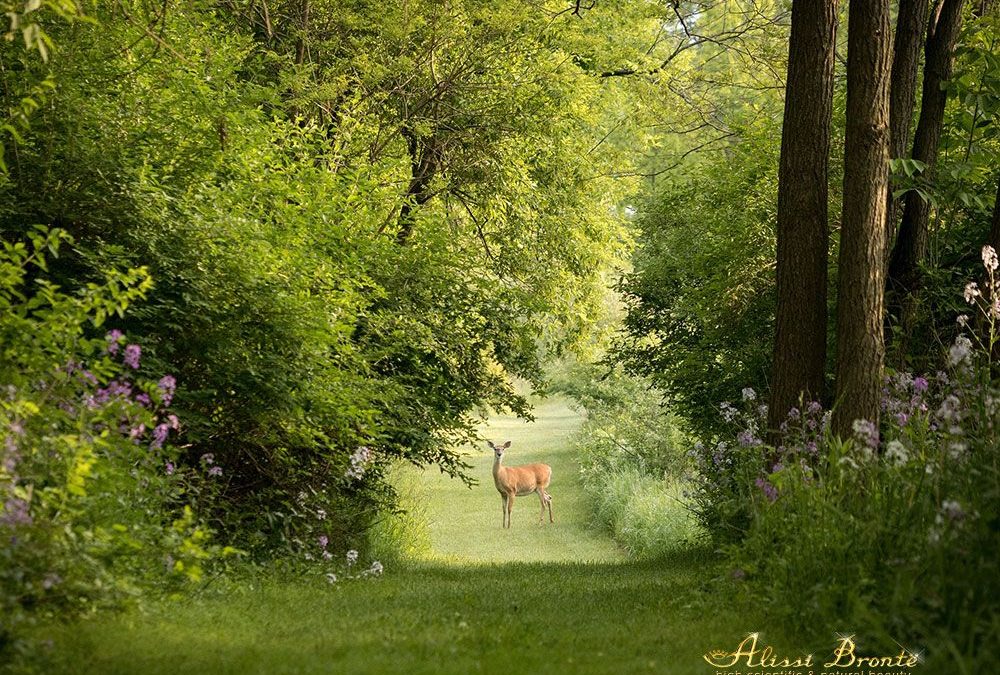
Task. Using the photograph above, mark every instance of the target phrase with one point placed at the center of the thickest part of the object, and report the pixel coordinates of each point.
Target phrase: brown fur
(517, 481)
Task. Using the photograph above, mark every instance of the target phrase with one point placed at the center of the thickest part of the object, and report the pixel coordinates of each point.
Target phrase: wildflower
(323, 541)
(51, 579)
(902, 418)
(136, 432)
(950, 409)
(814, 408)
(920, 384)
(951, 510)
(352, 557)
(866, 432)
(990, 261)
(114, 337)
(896, 453)
(167, 385)
(959, 351)
(376, 568)
(208, 458)
(962, 320)
(15, 512)
(359, 463)
(169, 469)
(749, 394)
(747, 439)
(794, 414)
(143, 399)
(957, 450)
(728, 411)
(848, 462)
(132, 354)
(769, 490)
(738, 574)
(159, 435)
(215, 471)
(327, 555)
(320, 514)
(971, 292)
(331, 577)
(173, 422)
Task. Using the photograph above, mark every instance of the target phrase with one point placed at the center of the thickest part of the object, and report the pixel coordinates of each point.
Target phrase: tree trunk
(860, 344)
(423, 165)
(910, 26)
(800, 341)
(911, 245)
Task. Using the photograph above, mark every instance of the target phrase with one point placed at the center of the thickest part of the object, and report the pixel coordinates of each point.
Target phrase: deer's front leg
(510, 507)
(503, 509)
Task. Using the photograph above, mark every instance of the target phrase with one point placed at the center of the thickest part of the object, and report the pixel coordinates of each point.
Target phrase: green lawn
(536, 598)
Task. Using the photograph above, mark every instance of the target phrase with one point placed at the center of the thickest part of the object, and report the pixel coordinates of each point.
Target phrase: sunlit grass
(535, 598)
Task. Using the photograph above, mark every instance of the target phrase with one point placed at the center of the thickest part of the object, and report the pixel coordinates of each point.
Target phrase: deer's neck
(498, 469)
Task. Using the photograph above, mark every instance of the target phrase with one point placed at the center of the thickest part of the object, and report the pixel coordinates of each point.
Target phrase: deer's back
(526, 478)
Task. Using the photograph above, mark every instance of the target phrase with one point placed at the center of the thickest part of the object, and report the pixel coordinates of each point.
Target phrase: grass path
(464, 524)
(537, 598)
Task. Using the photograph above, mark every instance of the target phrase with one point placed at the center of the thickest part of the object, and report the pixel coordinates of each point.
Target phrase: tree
(911, 23)
(911, 245)
(800, 337)
(860, 343)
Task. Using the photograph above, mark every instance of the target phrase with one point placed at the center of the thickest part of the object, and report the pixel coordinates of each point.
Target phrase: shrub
(631, 459)
(90, 495)
(893, 532)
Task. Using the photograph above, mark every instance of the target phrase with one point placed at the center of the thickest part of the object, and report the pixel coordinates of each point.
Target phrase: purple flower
(174, 423)
(747, 439)
(136, 432)
(920, 384)
(132, 354)
(15, 512)
(113, 338)
(167, 385)
(215, 471)
(143, 399)
(769, 490)
(323, 541)
(160, 435)
(814, 408)
(169, 469)
(208, 458)
(902, 418)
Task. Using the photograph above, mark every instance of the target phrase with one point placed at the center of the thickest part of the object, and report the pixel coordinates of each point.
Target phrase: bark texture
(802, 228)
(860, 344)
(911, 244)
(911, 23)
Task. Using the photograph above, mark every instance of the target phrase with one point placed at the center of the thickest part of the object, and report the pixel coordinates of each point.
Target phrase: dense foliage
(88, 475)
(358, 221)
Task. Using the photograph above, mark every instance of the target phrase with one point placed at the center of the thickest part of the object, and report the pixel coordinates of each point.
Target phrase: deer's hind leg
(546, 501)
(541, 498)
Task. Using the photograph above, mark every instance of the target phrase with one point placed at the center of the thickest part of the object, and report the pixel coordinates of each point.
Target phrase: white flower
(376, 568)
(990, 258)
(331, 577)
(352, 557)
(971, 292)
(952, 509)
(959, 351)
(749, 394)
(320, 514)
(963, 320)
(847, 461)
(957, 450)
(896, 453)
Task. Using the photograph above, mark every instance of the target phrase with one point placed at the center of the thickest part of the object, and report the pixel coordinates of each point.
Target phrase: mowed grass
(465, 524)
(535, 598)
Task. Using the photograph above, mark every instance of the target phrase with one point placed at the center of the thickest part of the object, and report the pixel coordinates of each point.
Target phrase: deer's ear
(507, 444)
(490, 443)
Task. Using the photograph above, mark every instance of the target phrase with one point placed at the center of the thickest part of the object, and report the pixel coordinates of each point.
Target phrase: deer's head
(498, 449)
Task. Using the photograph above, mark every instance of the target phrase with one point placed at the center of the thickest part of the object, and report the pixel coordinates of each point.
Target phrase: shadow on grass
(652, 616)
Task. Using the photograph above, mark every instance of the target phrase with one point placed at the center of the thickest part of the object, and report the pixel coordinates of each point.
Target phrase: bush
(90, 493)
(631, 456)
(892, 532)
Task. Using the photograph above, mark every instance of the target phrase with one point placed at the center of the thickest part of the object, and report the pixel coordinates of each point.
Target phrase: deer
(517, 481)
